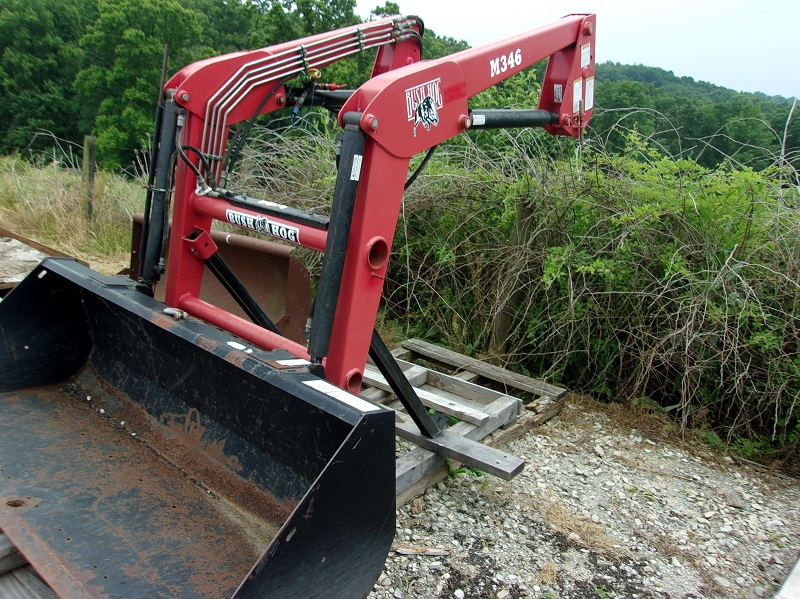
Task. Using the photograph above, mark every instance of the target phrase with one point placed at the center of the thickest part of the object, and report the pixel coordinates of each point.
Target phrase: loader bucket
(147, 456)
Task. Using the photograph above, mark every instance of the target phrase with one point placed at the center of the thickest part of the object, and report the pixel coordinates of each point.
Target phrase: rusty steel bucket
(143, 455)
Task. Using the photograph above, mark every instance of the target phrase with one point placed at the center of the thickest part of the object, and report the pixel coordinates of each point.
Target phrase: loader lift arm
(407, 107)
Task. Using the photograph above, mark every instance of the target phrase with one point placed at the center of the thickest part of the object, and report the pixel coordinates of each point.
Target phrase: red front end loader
(165, 449)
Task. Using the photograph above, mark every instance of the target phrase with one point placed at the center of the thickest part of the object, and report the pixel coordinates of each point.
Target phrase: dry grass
(562, 520)
(548, 573)
(47, 203)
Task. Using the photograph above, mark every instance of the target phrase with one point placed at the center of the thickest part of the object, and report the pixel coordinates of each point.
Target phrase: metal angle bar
(220, 269)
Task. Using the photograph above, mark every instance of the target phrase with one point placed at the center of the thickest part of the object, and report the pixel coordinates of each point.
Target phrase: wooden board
(10, 557)
(490, 371)
(485, 415)
(16, 261)
(441, 401)
(462, 449)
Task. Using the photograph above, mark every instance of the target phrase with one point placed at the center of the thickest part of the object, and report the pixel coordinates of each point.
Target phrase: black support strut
(330, 280)
(391, 371)
(155, 226)
(509, 119)
(220, 269)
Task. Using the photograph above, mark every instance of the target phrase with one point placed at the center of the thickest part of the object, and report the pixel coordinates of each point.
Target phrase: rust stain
(179, 439)
(174, 448)
(235, 357)
(207, 344)
(165, 321)
(189, 428)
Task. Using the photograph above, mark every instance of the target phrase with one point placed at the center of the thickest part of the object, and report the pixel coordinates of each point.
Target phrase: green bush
(631, 275)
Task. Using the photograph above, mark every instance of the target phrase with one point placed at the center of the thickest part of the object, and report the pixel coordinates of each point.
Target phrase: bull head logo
(426, 114)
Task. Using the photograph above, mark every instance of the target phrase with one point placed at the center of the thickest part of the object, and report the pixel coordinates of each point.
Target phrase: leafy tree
(118, 85)
(388, 9)
(226, 26)
(273, 23)
(438, 46)
(743, 135)
(40, 54)
(697, 119)
(319, 16)
(627, 106)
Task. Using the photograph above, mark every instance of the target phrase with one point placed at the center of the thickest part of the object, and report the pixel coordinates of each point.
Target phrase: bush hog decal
(261, 224)
(423, 103)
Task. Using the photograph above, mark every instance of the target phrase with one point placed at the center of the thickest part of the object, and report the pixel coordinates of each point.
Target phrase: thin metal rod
(220, 269)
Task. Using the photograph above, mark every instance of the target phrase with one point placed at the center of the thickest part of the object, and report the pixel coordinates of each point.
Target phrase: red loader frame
(407, 107)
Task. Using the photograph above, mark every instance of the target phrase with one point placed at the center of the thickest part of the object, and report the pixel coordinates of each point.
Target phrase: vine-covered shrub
(633, 276)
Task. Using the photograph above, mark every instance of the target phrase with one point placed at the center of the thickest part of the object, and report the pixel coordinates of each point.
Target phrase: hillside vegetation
(656, 262)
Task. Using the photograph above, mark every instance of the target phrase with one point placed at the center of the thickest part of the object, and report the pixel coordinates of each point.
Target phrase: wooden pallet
(17, 577)
(479, 395)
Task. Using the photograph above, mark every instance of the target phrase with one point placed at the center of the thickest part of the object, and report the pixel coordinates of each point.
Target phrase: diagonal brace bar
(384, 360)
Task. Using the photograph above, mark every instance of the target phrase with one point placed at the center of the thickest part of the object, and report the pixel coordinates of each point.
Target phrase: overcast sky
(746, 46)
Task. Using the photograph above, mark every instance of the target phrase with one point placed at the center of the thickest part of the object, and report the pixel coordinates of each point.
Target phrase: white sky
(746, 46)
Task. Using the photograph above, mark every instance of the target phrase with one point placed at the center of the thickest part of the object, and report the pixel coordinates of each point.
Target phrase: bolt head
(185, 97)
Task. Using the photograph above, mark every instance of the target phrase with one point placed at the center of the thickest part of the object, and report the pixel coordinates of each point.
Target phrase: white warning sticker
(293, 362)
(577, 95)
(355, 172)
(240, 347)
(589, 101)
(342, 395)
(586, 55)
(558, 93)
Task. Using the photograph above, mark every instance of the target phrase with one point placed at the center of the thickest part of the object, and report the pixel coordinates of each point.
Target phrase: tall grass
(637, 277)
(45, 200)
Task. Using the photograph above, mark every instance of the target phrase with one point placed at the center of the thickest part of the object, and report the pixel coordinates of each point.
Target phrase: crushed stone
(599, 512)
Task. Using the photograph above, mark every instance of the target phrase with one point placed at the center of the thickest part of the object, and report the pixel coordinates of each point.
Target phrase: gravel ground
(602, 510)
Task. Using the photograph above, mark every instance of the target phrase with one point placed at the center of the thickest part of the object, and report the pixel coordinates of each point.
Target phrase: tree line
(694, 119)
(75, 67)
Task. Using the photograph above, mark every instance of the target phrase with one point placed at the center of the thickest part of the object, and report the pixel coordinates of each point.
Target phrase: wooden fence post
(89, 167)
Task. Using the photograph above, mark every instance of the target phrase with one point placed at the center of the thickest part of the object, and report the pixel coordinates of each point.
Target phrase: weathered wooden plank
(463, 387)
(23, 582)
(420, 468)
(464, 450)
(458, 389)
(401, 353)
(450, 406)
(465, 403)
(415, 374)
(489, 371)
(10, 557)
